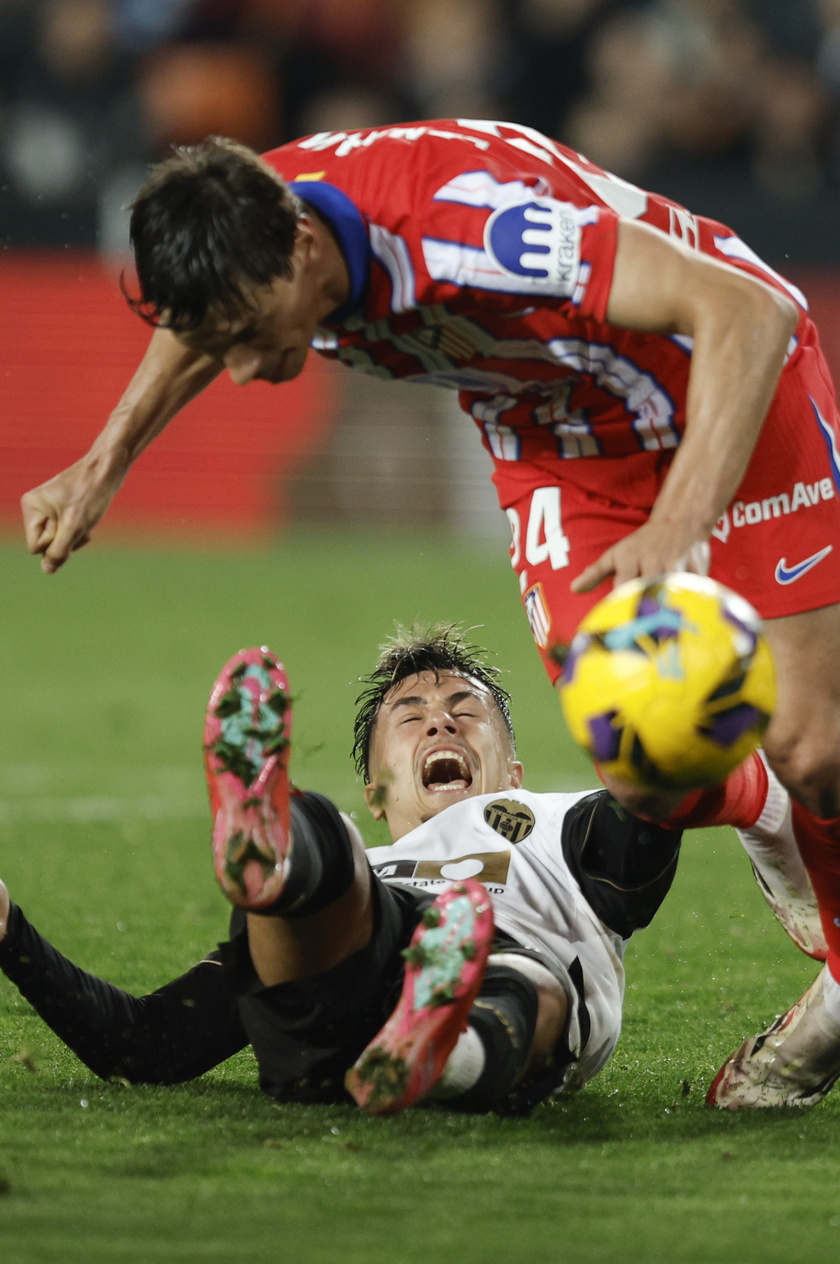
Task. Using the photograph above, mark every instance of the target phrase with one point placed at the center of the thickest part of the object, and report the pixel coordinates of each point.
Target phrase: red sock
(736, 801)
(819, 844)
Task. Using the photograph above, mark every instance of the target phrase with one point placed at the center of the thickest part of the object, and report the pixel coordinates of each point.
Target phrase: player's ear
(304, 233)
(375, 799)
(516, 774)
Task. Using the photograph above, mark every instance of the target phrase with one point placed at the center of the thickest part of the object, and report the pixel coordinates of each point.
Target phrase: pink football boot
(444, 970)
(246, 752)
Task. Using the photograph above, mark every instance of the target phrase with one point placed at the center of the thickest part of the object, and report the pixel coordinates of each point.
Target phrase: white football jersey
(510, 842)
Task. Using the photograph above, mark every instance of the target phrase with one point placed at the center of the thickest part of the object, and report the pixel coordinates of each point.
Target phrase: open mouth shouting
(446, 770)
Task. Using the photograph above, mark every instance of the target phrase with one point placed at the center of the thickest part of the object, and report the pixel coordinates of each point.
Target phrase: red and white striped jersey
(481, 258)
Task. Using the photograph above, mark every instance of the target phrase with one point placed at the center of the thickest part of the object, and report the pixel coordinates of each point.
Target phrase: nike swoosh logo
(787, 574)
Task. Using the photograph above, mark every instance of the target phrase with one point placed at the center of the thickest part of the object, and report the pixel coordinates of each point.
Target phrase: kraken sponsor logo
(537, 240)
(513, 820)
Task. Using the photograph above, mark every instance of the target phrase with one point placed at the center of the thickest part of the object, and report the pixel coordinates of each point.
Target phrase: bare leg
(796, 1060)
(803, 741)
(286, 948)
(552, 1012)
(803, 747)
(468, 1059)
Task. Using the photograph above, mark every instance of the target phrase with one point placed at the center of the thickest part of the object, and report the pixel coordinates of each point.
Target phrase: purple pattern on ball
(657, 619)
(659, 626)
(604, 736)
(663, 628)
(648, 604)
(748, 629)
(727, 727)
(579, 645)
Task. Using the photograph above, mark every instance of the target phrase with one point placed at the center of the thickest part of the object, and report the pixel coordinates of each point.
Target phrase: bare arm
(741, 329)
(59, 515)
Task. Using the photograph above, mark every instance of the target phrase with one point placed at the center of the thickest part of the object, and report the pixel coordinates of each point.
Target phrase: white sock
(831, 996)
(771, 846)
(463, 1068)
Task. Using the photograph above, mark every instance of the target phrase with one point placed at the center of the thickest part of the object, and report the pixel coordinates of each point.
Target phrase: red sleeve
(597, 254)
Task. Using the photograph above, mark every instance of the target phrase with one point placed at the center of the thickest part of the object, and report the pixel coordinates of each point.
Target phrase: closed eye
(244, 335)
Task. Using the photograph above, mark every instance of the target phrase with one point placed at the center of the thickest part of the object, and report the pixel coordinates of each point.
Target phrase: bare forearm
(59, 515)
(740, 329)
(168, 377)
(734, 372)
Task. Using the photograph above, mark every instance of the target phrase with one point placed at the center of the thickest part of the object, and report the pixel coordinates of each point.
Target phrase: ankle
(504, 1017)
(812, 1048)
(463, 1069)
(831, 997)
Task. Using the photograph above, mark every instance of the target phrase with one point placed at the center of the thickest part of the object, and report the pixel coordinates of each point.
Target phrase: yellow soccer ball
(669, 682)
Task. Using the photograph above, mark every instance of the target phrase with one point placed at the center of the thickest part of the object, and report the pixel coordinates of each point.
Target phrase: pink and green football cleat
(246, 752)
(445, 964)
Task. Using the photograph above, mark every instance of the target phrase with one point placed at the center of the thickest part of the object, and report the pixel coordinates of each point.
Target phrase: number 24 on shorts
(544, 536)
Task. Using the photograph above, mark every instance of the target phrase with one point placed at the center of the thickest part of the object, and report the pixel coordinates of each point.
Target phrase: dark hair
(209, 220)
(437, 649)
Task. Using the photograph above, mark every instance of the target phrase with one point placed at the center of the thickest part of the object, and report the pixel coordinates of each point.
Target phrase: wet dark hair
(209, 221)
(440, 648)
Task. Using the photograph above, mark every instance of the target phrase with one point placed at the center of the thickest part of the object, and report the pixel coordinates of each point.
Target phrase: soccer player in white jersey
(652, 394)
(476, 961)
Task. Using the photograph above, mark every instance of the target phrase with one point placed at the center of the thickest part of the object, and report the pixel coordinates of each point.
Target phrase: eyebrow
(415, 700)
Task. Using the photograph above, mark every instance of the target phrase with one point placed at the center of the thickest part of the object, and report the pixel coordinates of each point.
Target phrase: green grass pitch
(104, 841)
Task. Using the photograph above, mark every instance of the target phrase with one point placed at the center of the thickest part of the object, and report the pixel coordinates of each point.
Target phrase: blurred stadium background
(732, 106)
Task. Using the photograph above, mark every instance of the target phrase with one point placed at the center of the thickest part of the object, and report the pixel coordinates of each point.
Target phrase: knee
(808, 765)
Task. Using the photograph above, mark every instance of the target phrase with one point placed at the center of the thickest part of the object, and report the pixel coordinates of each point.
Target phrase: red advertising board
(68, 346)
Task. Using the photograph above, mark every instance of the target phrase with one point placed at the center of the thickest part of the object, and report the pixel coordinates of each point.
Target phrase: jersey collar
(346, 222)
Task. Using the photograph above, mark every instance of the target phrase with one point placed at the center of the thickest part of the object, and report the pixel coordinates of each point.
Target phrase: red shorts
(778, 544)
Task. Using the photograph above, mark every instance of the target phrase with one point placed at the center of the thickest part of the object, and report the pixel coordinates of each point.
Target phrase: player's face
(269, 339)
(436, 742)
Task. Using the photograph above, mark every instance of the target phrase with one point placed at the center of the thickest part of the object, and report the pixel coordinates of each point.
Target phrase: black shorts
(306, 1034)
